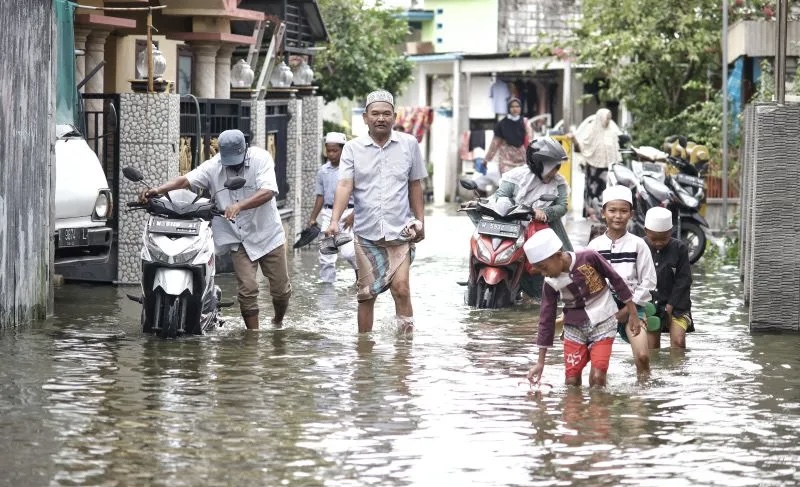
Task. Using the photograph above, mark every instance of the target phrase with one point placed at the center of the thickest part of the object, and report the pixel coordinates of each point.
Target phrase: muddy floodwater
(86, 399)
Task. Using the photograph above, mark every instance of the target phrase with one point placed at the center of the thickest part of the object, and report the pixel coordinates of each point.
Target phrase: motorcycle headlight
(505, 255)
(187, 255)
(484, 252)
(102, 206)
(155, 252)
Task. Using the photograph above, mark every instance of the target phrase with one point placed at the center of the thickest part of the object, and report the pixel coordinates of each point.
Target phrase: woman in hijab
(511, 136)
(597, 139)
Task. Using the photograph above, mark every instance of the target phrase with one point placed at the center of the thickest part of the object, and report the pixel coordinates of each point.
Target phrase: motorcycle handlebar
(135, 204)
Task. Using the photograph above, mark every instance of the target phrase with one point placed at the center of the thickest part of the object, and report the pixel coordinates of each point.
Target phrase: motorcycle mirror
(548, 197)
(132, 174)
(235, 183)
(468, 184)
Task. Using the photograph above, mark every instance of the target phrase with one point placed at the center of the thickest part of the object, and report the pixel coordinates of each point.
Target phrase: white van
(83, 206)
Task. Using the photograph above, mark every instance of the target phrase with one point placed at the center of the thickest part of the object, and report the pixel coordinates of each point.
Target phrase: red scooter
(497, 260)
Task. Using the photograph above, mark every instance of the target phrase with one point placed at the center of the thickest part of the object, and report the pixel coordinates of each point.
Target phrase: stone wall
(527, 23)
(149, 140)
(311, 135)
(258, 123)
(294, 150)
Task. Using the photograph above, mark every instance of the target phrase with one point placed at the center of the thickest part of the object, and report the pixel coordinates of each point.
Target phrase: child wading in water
(630, 256)
(590, 324)
(672, 295)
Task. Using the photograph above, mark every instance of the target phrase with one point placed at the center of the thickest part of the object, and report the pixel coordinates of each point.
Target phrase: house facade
(463, 50)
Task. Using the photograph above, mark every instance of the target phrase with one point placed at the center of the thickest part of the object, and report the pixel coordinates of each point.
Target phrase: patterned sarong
(378, 262)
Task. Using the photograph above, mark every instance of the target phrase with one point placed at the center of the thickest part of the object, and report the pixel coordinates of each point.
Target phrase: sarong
(378, 262)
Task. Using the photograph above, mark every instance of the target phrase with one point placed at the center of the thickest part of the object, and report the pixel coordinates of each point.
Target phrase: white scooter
(178, 291)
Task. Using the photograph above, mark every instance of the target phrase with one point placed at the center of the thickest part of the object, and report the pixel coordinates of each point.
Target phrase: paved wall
(27, 175)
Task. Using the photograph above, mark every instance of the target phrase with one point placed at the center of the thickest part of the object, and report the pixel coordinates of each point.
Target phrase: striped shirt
(630, 256)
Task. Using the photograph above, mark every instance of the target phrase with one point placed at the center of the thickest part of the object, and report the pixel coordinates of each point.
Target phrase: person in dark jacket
(672, 296)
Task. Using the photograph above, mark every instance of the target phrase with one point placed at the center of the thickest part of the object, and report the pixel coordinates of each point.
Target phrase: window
(185, 66)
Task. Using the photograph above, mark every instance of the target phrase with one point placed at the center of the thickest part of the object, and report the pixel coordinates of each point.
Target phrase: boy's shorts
(587, 342)
(683, 321)
(621, 325)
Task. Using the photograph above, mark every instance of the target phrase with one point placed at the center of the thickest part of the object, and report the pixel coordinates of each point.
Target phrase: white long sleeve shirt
(630, 257)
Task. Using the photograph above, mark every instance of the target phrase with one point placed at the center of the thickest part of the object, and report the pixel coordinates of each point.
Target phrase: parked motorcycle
(652, 187)
(178, 291)
(497, 260)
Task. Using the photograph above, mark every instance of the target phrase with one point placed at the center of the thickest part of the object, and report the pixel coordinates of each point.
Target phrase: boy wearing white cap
(630, 256)
(672, 296)
(327, 180)
(590, 323)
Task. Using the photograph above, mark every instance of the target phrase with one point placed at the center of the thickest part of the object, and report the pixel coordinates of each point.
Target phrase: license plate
(174, 227)
(73, 237)
(498, 229)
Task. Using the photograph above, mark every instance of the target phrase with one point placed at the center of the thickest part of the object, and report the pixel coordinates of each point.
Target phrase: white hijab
(598, 139)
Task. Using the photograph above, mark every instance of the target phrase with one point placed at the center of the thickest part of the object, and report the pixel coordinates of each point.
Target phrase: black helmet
(544, 151)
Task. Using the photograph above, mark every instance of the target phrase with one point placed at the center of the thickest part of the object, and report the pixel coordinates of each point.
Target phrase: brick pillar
(149, 140)
(294, 167)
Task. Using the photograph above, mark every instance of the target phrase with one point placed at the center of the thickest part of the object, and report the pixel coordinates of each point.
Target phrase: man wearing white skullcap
(629, 255)
(672, 296)
(383, 172)
(590, 323)
(327, 180)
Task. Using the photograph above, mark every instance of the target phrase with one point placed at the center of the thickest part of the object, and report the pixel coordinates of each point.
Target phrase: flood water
(86, 399)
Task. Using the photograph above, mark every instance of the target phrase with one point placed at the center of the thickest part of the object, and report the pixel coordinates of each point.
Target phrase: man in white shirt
(382, 171)
(252, 229)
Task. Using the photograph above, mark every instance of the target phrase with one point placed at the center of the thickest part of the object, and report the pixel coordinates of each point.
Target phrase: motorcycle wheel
(172, 315)
(472, 295)
(695, 239)
(480, 293)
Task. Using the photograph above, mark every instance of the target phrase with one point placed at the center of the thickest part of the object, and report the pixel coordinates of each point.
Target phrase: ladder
(269, 60)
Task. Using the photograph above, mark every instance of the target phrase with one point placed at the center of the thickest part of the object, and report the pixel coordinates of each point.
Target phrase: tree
(361, 55)
(657, 55)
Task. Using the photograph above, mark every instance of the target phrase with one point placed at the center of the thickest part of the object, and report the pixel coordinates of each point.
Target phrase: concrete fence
(27, 171)
(770, 227)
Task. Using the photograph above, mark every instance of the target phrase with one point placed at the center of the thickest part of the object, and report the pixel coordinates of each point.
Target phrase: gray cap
(232, 147)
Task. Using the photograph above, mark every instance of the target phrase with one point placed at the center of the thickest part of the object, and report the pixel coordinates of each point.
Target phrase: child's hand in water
(535, 374)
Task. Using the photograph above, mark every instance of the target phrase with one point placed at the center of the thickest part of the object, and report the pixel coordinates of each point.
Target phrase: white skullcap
(542, 245)
(379, 95)
(335, 138)
(658, 219)
(617, 192)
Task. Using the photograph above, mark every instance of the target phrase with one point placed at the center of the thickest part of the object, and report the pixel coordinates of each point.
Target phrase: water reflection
(85, 399)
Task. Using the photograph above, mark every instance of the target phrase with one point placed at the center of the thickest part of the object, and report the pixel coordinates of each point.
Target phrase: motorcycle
(652, 187)
(497, 260)
(178, 263)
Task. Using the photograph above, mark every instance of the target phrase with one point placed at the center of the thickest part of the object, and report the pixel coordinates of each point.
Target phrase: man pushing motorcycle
(526, 184)
(251, 230)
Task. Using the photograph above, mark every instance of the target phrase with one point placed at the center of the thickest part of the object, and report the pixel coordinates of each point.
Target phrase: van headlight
(102, 206)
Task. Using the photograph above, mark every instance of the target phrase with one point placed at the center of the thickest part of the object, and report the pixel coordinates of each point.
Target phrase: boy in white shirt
(630, 257)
